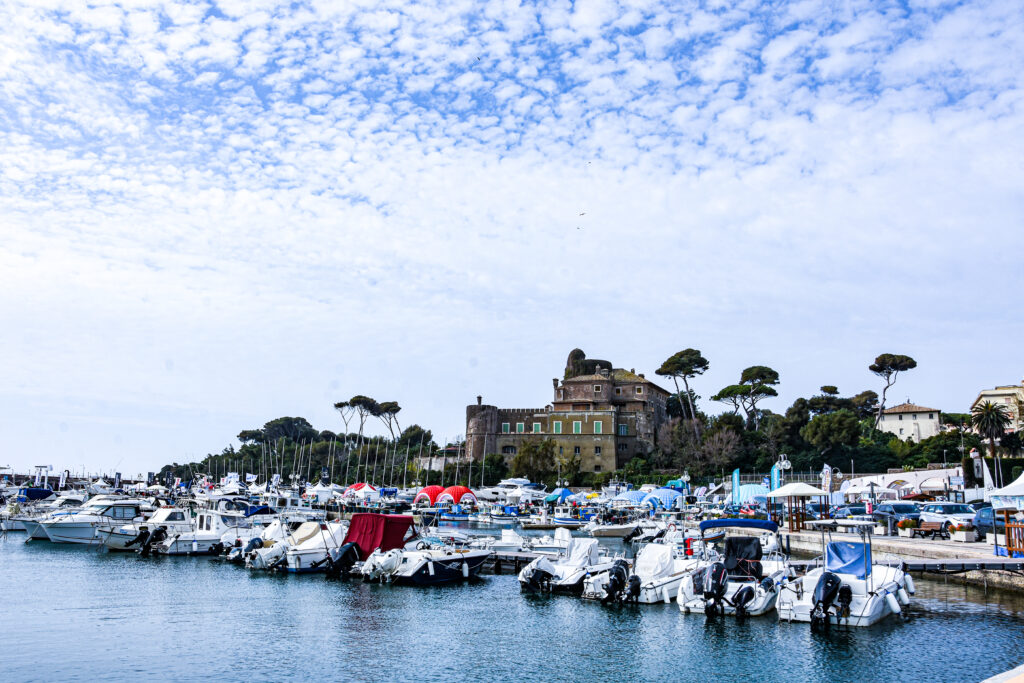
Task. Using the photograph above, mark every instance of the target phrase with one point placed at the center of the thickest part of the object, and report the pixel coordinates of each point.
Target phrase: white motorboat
(425, 565)
(743, 581)
(136, 535)
(849, 589)
(313, 554)
(509, 542)
(556, 544)
(204, 535)
(82, 526)
(499, 493)
(31, 519)
(655, 577)
(272, 550)
(565, 574)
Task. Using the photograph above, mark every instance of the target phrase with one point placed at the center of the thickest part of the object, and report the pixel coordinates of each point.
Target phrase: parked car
(898, 511)
(948, 513)
(980, 505)
(851, 510)
(816, 510)
(983, 522)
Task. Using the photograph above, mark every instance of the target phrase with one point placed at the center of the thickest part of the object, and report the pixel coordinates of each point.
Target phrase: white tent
(797, 490)
(1009, 497)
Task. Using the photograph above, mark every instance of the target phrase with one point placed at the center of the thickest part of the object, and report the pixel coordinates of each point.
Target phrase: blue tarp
(747, 493)
(661, 497)
(558, 495)
(762, 524)
(635, 497)
(843, 557)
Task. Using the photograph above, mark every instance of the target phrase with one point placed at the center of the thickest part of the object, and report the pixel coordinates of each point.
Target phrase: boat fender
(903, 597)
(465, 570)
(908, 581)
(893, 603)
(430, 567)
(689, 547)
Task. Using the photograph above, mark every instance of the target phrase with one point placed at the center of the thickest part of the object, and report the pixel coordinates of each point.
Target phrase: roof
(620, 375)
(588, 378)
(797, 490)
(909, 407)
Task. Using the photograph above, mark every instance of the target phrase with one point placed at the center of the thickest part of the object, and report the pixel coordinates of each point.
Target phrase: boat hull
(71, 532)
(448, 569)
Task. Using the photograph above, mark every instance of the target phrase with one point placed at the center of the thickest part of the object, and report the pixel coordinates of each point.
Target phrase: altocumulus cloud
(217, 212)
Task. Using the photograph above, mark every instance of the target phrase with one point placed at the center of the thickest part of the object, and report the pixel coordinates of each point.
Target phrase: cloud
(256, 190)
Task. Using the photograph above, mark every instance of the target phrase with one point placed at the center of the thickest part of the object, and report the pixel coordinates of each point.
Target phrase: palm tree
(991, 420)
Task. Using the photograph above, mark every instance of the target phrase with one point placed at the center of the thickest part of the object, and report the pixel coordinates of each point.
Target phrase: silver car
(948, 513)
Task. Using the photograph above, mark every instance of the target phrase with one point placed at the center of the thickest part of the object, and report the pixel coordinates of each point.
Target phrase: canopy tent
(933, 484)
(456, 494)
(664, 498)
(677, 484)
(747, 492)
(627, 498)
(359, 487)
(762, 524)
(428, 494)
(361, 491)
(371, 531)
(1009, 497)
(558, 495)
(797, 490)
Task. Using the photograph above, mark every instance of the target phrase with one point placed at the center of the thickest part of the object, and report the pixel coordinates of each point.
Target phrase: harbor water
(74, 613)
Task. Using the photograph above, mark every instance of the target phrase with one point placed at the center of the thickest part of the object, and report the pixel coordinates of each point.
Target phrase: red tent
(456, 494)
(429, 494)
(370, 531)
(359, 487)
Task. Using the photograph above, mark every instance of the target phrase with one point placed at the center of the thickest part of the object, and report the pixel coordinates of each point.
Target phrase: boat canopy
(763, 524)
(653, 561)
(663, 497)
(456, 494)
(633, 497)
(428, 494)
(843, 557)
(581, 552)
(558, 495)
(370, 531)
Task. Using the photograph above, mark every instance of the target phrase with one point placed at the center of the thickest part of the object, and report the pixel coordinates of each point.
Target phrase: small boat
(205, 537)
(82, 526)
(271, 551)
(314, 554)
(565, 574)
(556, 544)
(655, 576)
(848, 590)
(509, 542)
(743, 581)
(137, 535)
(425, 565)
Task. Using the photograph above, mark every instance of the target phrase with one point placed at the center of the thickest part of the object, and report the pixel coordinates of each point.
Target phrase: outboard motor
(632, 592)
(825, 594)
(253, 544)
(539, 581)
(617, 575)
(632, 534)
(743, 597)
(845, 600)
(139, 540)
(156, 538)
(715, 580)
(346, 558)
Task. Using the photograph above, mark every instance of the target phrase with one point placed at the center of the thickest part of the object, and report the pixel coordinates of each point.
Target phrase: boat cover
(762, 524)
(653, 562)
(563, 534)
(663, 497)
(843, 557)
(370, 531)
(742, 556)
(581, 552)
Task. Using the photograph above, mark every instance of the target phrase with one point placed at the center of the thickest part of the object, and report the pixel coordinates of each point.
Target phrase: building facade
(603, 415)
(1011, 397)
(909, 421)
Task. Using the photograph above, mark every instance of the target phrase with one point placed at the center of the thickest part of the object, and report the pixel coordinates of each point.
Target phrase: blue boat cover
(663, 497)
(634, 497)
(843, 557)
(763, 524)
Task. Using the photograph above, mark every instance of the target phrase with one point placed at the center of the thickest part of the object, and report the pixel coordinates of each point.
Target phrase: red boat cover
(370, 531)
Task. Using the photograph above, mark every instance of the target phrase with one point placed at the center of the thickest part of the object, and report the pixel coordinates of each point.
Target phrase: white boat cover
(581, 552)
(563, 534)
(653, 562)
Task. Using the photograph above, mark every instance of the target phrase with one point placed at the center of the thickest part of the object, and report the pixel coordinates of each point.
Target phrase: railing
(1014, 539)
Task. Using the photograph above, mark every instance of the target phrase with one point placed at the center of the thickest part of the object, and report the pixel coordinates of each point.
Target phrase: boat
(272, 550)
(597, 529)
(424, 565)
(82, 526)
(556, 544)
(31, 519)
(848, 589)
(654, 577)
(499, 492)
(314, 554)
(205, 534)
(509, 542)
(567, 573)
(138, 535)
(742, 581)
(570, 517)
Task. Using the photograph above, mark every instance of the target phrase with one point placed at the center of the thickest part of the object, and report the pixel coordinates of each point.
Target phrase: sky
(217, 213)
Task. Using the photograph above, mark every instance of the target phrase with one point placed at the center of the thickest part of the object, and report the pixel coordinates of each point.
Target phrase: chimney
(641, 375)
(554, 382)
(633, 370)
(479, 400)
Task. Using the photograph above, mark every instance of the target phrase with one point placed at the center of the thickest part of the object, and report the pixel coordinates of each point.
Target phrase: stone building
(1011, 397)
(909, 421)
(604, 415)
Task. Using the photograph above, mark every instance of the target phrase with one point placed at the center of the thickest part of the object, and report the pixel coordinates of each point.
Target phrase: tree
(991, 420)
(760, 380)
(831, 430)
(413, 436)
(732, 395)
(387, 412)
(719, 447)
(888, 366)
(864, 404)
(685, 365)
(250, 435)
(534, 460)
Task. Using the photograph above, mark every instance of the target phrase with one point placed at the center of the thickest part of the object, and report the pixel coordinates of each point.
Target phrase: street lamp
(784, 464)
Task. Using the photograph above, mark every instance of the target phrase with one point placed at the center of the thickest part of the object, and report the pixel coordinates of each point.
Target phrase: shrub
(962, 526)
(907, 524)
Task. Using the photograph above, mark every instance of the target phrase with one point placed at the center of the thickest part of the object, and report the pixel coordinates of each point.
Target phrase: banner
(63, 479)
(250, 478)
(324, 473)
(736, 486)
(826, 479)
(117, 480)
(774, 477)
(39, 478)
(150, 478)
(276, 480)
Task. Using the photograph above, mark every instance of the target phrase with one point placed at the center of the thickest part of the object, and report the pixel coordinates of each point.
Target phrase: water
(72, 613)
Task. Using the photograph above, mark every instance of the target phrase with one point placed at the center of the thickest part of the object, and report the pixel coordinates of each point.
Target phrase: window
(176, 517)
(598, 427)
(504, 427)
(597, 450)
(576, 450)
(622, 446)
(559, 450)
(597, 388)
(901, 430)
(536, 427)
(508, 450)
(901, 417)
(623, 430)
(520, 427)
(209, 518)
(558, 427)
(914, 417)
(597, 468)
(560, 395)
(639, 390)
(618, 391)
(577, 427)
(931, 416)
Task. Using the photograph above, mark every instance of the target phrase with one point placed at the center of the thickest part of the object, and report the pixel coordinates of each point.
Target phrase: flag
(774, 484)
(117, 480)
(249, 478)
(736, 486)
(63, 479)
